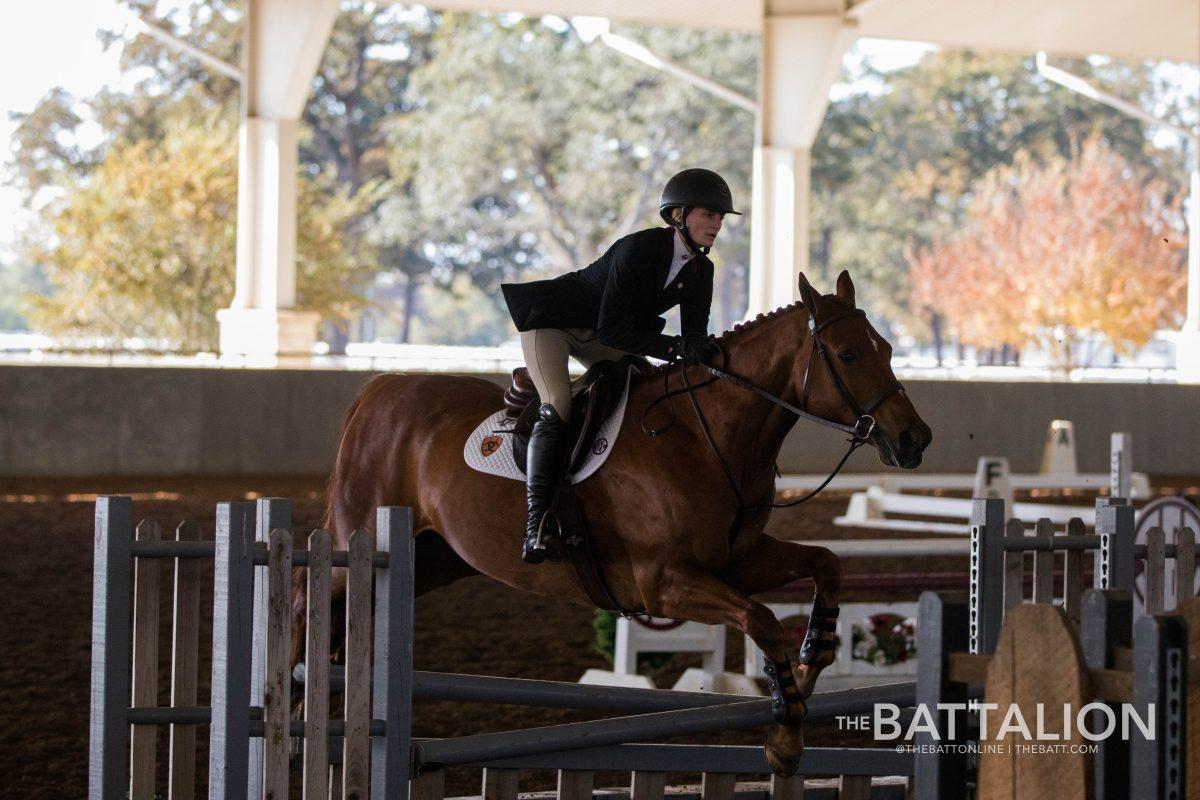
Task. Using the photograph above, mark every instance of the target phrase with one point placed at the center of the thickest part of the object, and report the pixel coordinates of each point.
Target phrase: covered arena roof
(1148, 29)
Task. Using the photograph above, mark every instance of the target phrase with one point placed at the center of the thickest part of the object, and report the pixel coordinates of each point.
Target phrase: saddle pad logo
(599, 446)
(490, 445)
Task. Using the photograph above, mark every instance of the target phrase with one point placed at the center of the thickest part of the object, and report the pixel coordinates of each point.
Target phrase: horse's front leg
(771, 564)
(689, 592)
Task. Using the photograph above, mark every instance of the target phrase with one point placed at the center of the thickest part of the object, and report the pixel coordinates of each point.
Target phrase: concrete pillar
(283, 44)
(1187, 345)
(801, 58)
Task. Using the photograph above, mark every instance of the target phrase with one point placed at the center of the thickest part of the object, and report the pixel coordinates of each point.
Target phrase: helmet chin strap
(681, 226)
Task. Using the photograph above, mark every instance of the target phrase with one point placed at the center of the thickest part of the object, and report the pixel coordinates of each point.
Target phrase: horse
(667, 515)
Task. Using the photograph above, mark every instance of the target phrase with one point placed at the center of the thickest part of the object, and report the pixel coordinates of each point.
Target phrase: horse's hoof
(781, 765)
(784, 746)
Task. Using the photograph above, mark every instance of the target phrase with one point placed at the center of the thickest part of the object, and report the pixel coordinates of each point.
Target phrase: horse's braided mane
(751, 324)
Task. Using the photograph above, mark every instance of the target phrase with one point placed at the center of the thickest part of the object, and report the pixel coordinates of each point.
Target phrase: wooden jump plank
(185, 647)
(356, 764)
(647, 785)
(277, 680)
(145, 665)
(1155, 570)
(316, 659)
(717, 786)
(1073, 572)
(787, 788)
(575, 784)
(1185, 568)
(502, 784)
(1043, 564)
(430, 786)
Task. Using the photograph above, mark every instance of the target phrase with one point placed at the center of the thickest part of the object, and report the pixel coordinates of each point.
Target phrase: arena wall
(93, 421)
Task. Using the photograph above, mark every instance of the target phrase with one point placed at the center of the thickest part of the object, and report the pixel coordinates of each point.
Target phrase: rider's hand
(695, 348)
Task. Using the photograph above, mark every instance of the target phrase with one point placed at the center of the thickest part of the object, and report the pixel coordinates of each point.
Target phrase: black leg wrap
(782, 685)
(822, 620)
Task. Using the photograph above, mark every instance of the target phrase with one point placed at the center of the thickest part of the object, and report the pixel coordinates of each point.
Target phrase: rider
(609, 309)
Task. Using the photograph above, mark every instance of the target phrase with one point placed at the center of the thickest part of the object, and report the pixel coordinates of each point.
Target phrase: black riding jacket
(621, 295)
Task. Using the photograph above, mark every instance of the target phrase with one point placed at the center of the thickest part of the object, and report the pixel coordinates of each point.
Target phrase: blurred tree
(894, 163)
(527, 149)
(142, 246)
(1057, 254)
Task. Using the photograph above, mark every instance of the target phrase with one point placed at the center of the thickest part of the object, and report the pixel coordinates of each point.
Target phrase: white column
(1187, 345)
(283, 42)
(801, 58)
(779, 235)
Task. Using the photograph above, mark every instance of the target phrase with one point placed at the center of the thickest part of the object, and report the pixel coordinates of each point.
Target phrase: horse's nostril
(908, 440)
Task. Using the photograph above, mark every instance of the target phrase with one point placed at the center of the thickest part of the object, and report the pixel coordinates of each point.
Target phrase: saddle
(594, 396)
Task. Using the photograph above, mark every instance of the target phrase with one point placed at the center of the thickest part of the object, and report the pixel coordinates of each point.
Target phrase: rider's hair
(677, 214)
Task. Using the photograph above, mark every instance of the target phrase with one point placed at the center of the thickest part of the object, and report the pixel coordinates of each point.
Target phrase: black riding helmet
(691, 188)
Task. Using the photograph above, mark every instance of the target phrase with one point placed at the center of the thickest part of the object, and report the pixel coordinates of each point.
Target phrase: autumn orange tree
(1055, 254)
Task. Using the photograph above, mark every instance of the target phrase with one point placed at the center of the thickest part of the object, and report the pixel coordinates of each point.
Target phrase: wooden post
(108, 733)
(1114, 524)
(233, 594)
(986, 574)
(1160, 674)
(392, 681)
(941, 630)
(1105, 625)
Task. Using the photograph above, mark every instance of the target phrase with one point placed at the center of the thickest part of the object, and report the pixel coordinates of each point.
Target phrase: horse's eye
(848, 357)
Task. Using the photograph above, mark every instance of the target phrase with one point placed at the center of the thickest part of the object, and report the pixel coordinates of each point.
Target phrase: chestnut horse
(664, 516)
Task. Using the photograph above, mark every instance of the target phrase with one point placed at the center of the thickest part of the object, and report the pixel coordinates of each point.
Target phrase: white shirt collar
(681, 256)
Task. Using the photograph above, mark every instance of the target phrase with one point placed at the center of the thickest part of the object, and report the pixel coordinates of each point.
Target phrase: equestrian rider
(607, 310)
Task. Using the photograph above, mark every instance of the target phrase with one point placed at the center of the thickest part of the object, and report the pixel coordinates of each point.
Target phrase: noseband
(860, 432)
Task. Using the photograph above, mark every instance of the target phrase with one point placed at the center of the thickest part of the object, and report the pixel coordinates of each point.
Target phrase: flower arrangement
(884, 639)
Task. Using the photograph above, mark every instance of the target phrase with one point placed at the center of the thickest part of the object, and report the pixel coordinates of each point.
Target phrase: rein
(860, 432)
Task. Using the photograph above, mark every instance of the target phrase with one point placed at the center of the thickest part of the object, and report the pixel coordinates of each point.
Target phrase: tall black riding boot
(543, 470)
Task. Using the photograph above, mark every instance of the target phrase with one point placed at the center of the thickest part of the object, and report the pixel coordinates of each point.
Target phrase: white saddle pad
(489, 448)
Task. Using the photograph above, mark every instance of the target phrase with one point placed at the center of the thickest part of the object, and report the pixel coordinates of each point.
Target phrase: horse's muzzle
(905, 451)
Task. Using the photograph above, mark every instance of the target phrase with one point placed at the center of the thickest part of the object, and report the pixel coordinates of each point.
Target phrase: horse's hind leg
(688, 592)
(771, 564)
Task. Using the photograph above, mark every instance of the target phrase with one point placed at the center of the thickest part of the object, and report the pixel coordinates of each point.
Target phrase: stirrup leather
(822, 620)
(782, 685)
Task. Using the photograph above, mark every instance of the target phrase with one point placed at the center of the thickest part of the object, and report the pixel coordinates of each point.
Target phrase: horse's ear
(807, 295)
(845, 288)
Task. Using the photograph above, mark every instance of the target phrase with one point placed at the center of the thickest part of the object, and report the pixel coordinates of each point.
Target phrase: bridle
(860, 432)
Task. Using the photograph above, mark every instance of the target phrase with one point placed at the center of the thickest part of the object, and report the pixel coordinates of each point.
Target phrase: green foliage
(529, 151)
(605, 625)
(144, 245)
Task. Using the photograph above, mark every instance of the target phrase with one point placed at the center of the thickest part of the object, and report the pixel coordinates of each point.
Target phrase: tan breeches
(546, 351)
